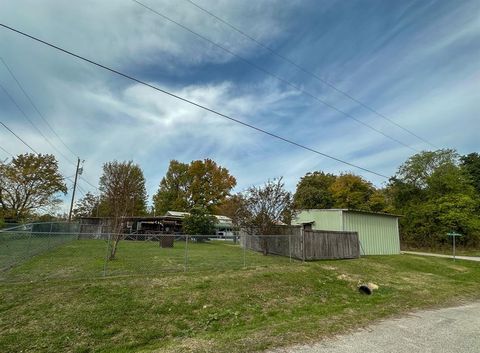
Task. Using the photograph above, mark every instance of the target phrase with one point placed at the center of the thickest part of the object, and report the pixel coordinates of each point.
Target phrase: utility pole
(74, 189)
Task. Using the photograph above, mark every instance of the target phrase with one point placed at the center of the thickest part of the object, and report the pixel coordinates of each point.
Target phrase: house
(170, 223)
(378, 233)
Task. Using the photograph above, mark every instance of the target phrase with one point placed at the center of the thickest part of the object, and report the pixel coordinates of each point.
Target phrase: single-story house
(170, 223)
(378, 233)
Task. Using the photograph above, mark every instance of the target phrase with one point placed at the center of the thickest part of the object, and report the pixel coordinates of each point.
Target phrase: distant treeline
(435, 192)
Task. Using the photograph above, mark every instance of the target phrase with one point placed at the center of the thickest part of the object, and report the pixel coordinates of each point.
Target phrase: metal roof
(176, 213)
(351, 210)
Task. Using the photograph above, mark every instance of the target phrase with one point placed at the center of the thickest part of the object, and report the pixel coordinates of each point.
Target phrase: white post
(454, 248)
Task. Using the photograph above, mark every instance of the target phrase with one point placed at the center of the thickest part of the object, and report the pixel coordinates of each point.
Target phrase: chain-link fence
(21, 242)
(66, 250)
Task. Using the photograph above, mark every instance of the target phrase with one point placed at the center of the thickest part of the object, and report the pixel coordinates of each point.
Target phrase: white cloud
(105, 117)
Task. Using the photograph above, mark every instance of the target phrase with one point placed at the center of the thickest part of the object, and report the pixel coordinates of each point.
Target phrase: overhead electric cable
(79, 188)
(35, 106)
(275, 76)
(87, 182)
(18, 137)
(31, 123)
(4, 150)
(309, 72)
(189, 101)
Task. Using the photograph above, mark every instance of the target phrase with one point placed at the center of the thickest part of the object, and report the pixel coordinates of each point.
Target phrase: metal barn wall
(324, 219)
(378, 234)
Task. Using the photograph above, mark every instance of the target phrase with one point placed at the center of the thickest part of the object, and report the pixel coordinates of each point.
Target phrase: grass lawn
(54, 302)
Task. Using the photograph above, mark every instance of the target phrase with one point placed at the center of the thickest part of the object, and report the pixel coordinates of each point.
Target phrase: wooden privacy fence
(306, 244)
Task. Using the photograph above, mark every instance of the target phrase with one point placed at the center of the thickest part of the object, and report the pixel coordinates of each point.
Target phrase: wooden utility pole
(74, 189)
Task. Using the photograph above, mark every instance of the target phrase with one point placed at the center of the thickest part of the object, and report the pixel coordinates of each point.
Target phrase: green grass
(52, 303)
(86, 259)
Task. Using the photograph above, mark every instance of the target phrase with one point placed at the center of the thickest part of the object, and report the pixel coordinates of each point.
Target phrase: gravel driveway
(450, 330)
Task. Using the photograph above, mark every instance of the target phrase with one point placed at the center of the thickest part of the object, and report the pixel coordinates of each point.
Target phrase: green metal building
(378, 232)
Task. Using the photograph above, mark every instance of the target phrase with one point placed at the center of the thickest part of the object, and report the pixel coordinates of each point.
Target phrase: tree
(324, 190)
(173, 189)
(29, 183)
(123, 193)
(88, 206)
(209, 185)
(234, 208)
(471, 164)
(378, 202)
(199, 222)
(417, 170)
(266, 206)
(435, 195)
(313, 191)
(198, 184)
(352, 191)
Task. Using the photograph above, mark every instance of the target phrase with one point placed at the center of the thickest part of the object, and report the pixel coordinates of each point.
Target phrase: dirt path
(468, 258)
(450, 330)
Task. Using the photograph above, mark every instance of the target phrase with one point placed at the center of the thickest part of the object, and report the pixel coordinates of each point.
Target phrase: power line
(34, 126)
(80, 189)
(80, 178)
(189, 101)
(35, 106)
(309, 72)
(267, 72)
(89, 183)
(4, 150)
(18, 137)
(36, 109)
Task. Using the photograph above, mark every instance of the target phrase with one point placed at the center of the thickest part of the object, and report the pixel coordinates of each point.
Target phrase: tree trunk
(117, 236)
(113, 250)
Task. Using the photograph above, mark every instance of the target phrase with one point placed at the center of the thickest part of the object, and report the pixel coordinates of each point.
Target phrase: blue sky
(416, 62)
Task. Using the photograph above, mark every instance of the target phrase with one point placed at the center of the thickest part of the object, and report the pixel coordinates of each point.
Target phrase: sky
(417, 63)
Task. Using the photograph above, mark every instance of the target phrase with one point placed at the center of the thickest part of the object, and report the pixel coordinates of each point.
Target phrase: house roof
(220, 218)
(353, 211)
(176, 213)
(168, 215)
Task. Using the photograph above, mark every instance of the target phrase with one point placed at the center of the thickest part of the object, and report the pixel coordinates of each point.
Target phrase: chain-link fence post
(186, 253)
(29, 243)
(49, 245)
(107, 251)
(245, 250)
(290, 247)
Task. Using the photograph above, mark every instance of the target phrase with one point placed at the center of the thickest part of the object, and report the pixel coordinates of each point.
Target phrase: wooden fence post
(302, 232)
